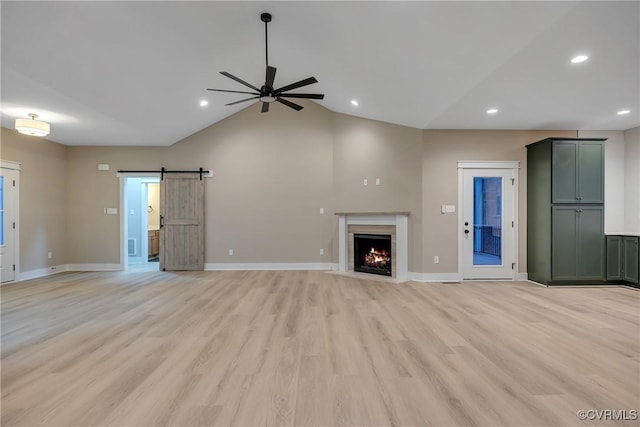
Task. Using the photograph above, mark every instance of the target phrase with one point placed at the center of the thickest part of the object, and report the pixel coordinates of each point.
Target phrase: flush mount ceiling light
(204, 103)
(33, 127)
(579, 58)
(492, 111)
(354, 103)
(623, 112)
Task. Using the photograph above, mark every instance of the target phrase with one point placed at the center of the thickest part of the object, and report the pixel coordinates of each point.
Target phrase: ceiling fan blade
(243, 100)
(265, 107)
(233, 91)
(271, 75)
(231, 76)
(289, 104)
(303, 95)
(305, 82)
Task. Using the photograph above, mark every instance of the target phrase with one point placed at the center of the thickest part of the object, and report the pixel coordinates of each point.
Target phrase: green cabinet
(614, 257)
(565, 214)
(623, 259)
(577, 249)
(631, 259)
(577, 171)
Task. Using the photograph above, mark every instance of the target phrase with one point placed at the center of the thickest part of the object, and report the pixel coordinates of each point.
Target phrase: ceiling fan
(267, 94)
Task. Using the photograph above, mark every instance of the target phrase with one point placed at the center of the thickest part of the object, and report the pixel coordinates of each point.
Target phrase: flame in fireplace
(377, 258)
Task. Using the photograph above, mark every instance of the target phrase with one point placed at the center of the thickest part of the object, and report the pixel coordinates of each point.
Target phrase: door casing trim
(474, 164)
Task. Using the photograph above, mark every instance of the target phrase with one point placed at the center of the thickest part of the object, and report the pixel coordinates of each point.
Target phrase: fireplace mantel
(397, 219)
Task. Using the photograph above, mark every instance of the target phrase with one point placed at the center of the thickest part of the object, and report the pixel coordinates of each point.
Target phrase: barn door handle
(161, 221)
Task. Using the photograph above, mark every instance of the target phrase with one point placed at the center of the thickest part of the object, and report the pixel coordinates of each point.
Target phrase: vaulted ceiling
(134, 73)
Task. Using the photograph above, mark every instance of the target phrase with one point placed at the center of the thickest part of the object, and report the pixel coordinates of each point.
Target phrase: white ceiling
(133, 73)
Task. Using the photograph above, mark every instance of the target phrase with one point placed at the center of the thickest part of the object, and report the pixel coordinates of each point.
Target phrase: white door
(488, 223)
(8, 213)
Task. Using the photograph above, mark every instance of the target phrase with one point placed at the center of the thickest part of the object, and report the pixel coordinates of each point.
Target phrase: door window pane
(487, 221)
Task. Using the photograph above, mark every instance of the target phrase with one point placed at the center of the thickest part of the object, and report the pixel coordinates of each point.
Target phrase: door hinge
(14, 225)
(513, 181)
(14, 267)
(513, 265)
(14, 182)
(513, 224)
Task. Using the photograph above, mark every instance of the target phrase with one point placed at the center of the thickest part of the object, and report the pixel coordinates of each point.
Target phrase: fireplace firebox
(372, 253)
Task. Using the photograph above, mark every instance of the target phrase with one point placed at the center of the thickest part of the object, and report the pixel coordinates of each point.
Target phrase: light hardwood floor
(313, 348)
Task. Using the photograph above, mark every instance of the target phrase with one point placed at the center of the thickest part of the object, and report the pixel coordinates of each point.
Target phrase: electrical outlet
(366, 182)
(321, 251)
(377, 181)
(436, 259)
(49, 255)
(230, 251)
(321, 211)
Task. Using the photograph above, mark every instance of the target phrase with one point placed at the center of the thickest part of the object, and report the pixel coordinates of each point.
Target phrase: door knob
(466, 231)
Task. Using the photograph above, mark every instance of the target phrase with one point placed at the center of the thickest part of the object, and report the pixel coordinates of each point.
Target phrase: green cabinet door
(577, 172)
(631, 259)
(564, 155)
(577, 251)
(614, 257)
(591, 243)
(564, 251)
(590, 172)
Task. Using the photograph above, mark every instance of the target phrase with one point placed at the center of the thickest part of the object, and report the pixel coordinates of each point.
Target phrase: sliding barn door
(182, 222)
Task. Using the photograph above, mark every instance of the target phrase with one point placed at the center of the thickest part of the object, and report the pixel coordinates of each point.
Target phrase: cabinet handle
(161, 221)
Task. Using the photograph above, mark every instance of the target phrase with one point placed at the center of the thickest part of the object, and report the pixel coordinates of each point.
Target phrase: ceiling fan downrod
(266, 18)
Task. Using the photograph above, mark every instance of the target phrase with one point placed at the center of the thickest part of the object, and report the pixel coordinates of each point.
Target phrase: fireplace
(372, 253)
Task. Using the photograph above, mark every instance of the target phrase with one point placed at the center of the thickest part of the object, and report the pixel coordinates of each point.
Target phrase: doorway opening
(9, 238)
(141, 222)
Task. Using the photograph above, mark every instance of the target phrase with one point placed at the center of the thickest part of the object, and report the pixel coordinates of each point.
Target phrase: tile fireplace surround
(393, 223)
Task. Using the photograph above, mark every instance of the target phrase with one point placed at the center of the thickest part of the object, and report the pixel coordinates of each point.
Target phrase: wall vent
(132, 246)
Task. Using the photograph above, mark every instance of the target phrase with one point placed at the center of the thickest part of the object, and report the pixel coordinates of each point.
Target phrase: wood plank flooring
(313, 349)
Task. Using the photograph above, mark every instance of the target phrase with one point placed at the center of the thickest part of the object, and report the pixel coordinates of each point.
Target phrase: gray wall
(43, 198)
(272, 174)
(632, 180)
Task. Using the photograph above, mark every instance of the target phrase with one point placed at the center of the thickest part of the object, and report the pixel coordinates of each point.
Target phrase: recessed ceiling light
(492, 110)
(204, 103)
(579, 58)
(622, 112)
(354, 102)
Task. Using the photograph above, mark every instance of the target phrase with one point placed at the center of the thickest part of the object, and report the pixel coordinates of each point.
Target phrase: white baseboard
(94, 267)
(55, 269)
(450, 277)
(271, 266)
(434, 277)
(39, 272)
(418, 277)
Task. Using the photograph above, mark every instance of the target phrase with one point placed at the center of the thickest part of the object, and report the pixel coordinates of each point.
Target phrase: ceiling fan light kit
(266, 93)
